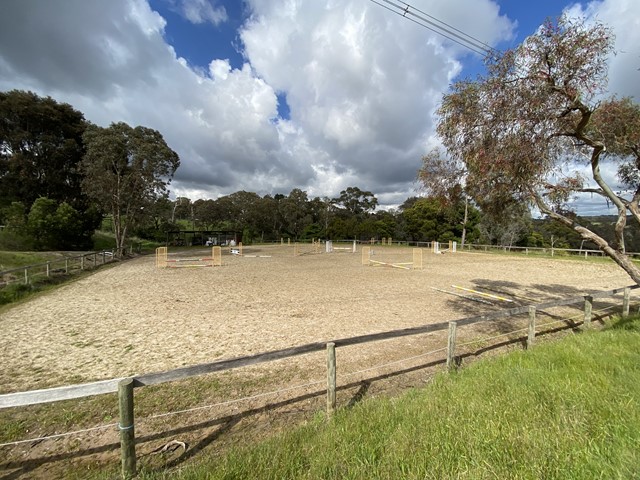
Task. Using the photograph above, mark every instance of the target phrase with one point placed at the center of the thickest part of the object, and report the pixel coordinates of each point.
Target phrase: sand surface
(134, 318)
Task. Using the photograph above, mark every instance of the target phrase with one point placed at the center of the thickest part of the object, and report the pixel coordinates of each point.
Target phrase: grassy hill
(567, 409)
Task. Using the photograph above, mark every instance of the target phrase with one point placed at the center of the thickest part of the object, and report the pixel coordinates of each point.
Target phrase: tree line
(61, 176)
(538, 129)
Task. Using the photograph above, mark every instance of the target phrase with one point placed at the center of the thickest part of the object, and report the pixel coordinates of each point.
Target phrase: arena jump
(163, 260)
(416, 264)
(306, 249)
(329, 248)
(437, 247)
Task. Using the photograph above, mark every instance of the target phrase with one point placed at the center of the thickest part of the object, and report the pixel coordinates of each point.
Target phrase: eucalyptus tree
(40, 149)
(356, 202)
(296, 212)
(126, 170)
(533, 129)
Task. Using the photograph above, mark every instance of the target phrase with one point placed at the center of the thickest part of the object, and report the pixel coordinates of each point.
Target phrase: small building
(191, 238)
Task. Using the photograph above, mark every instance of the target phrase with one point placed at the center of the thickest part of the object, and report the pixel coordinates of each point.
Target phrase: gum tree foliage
(40, 149)
(295, 212)
(54, 226)
(356, 202)
(126, 170)
(527, 129)
(444, 178)
(426, 220)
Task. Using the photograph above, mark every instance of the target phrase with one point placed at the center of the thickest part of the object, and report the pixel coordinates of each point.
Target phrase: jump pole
(329, 248)
(416, 264)
(466, 297)
(488, 295)
(162, 261)
(393, 265)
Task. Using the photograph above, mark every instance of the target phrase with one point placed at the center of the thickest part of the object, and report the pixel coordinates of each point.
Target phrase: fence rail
(477, 247)
(110, 386)
(125, 386)
(51, 268)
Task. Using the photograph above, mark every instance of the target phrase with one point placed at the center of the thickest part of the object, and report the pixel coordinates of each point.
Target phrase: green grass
(106, 241)
(10, 260)
(103, 240)
(567, 409)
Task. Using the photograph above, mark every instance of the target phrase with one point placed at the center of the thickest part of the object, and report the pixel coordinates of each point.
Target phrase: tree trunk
(464, 222)
(617, 256)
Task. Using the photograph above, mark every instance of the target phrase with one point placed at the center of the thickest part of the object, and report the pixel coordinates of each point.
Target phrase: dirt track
(134, 318)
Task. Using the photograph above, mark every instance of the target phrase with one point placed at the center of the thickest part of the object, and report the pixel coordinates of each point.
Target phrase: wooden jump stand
(329, 248)
(163, 260)
(436, 247)
(298, 250)
(416, 264)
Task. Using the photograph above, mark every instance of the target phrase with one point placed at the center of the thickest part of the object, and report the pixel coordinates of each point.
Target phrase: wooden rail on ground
(125, 394)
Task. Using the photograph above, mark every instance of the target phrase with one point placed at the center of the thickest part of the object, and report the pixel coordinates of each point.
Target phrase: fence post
(625, 302)
(103, 252)
(126, 427)
(82, 262)
(588, 307)
(532, 327)
(26, 276)
(48, 268)
(451, 345)
(66, 265)
(331, 378)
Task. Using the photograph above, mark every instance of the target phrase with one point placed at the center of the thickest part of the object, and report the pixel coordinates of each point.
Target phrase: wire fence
(63, 266)
(451, 359)
(280, 391)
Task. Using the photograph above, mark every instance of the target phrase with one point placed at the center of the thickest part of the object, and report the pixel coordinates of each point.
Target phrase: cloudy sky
(271, 95)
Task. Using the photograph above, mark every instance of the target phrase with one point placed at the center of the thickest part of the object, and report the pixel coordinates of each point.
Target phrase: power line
(437, 26)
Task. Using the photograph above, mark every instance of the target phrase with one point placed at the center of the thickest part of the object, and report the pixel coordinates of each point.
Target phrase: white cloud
(361, 84)
(202, 11)
(623, 16)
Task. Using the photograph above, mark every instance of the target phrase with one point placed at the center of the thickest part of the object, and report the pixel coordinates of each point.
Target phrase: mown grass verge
(9, 260)
(566, 409)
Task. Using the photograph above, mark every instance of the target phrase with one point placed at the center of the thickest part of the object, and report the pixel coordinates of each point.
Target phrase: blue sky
(272, 95)
(200, 43)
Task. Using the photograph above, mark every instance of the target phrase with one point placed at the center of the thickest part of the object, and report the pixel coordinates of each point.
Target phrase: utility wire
(437, 26)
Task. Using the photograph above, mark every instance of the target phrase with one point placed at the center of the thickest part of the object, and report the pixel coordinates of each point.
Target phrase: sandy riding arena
(134, 318)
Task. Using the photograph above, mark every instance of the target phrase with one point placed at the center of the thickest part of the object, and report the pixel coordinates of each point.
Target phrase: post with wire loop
(331, 378)
(531, 336)
(588, 307)
(451, 346)
(126, 427)
(625, 302)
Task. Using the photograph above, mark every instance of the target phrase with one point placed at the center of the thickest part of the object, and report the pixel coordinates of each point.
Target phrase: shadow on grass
(226, 423)
(631, 323)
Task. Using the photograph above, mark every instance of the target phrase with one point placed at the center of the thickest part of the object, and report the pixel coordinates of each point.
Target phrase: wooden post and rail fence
(63, 266)
(125, 386)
